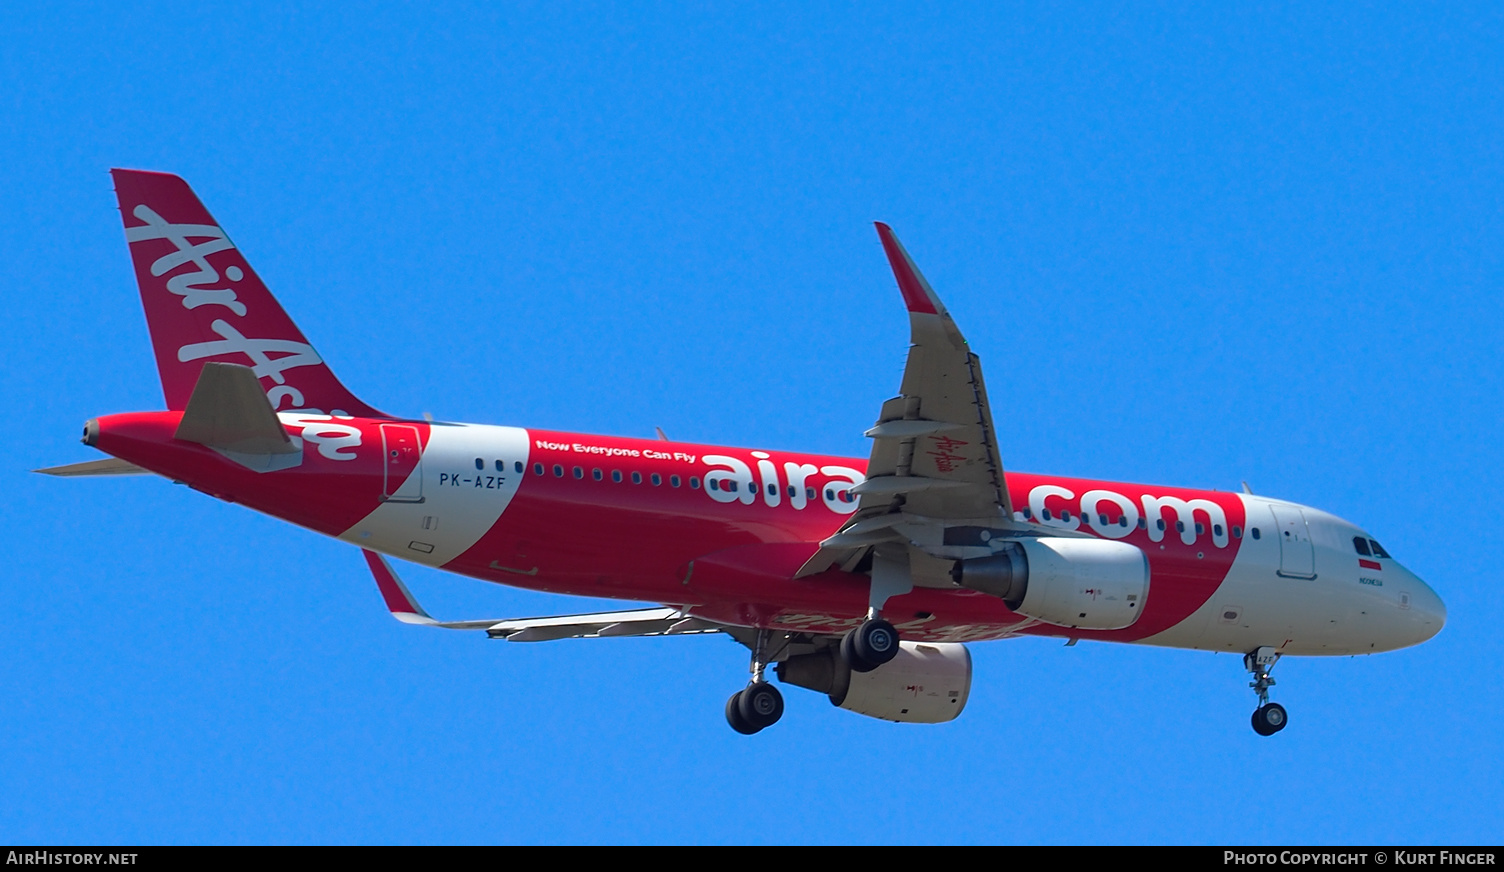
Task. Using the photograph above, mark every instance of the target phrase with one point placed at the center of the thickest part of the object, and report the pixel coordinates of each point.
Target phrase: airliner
(859, 578)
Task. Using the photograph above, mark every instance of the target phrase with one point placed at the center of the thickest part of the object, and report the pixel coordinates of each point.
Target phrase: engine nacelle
(925, 683)
(1088, 584)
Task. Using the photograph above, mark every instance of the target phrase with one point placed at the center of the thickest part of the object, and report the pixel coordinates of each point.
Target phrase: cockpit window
(1378, 550)
(1362, 545)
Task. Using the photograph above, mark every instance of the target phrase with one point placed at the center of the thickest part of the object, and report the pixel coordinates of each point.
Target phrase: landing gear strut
(759, 705)
(1270, 717)
(875, 641)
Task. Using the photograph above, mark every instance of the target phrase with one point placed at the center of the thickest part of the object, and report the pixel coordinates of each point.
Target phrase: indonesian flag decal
(1370, 564)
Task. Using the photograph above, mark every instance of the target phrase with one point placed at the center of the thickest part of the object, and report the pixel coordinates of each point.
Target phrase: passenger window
(1123, 521)
(501, 466)
(1065, 515)
(1254, 532)
(579, 473)
(1046, 515)
(1362, 545)
(694, 482)
(1028, 514)
(1180, 526)
(1143, 524)
(1216, 529)
(537, 469)
(792, 491)
(558, 471)
(1378, 550)
(1237, 532)
(673, 480)
(616, 476)
(636, 478)
(657, 479)
(830, 494)
(809, 493)
(1160, 524)
(1102, 518)
(480, 464)
(1200, 528)
(518, 467)
(772, 490)
(597, 474)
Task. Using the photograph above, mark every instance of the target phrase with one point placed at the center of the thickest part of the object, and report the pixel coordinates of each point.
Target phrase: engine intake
(1088, 584)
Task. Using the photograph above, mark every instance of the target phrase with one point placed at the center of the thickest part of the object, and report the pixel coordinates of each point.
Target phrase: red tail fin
(204, 302)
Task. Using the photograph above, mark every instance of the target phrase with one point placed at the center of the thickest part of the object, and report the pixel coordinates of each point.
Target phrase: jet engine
(925, 683)
(1089, 584)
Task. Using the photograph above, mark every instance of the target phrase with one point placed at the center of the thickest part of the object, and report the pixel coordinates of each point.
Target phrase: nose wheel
(759, 705)
(1270, 717)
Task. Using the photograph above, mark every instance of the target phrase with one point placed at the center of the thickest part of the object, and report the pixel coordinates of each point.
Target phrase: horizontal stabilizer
(229, 411)
(637, 622)
(107, 466)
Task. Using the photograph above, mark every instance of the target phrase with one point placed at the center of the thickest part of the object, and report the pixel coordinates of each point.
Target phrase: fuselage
(721, 532)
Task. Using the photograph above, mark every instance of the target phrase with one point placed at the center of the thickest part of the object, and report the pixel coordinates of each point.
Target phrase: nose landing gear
(1270, 717)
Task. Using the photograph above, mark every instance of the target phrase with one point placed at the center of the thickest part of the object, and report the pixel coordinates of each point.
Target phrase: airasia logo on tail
(193, 244)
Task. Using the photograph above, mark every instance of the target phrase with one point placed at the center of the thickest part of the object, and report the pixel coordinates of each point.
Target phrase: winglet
(917, 293)
(399, 600)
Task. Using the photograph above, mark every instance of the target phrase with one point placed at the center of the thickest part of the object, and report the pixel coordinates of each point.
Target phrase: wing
(638, 622)
(935, 478)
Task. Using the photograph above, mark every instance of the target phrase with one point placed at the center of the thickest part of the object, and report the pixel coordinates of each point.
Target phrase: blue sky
(1192, 245)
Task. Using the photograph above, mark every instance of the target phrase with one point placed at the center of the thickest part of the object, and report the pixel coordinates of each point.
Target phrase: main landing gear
(875, 641)
(754, 708)
(759, 705)
(870, 645)
(1270, 717)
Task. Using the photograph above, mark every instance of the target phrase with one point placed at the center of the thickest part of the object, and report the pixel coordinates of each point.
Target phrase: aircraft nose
(1427, 609)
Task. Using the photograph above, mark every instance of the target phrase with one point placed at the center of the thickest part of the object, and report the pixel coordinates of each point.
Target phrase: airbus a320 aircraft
(859, 579)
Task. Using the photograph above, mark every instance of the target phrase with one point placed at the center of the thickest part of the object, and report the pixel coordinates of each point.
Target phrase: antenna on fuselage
(1246, 489)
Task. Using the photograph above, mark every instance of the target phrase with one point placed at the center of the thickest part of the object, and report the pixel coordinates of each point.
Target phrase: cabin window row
(598, 474)
(729, 486)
